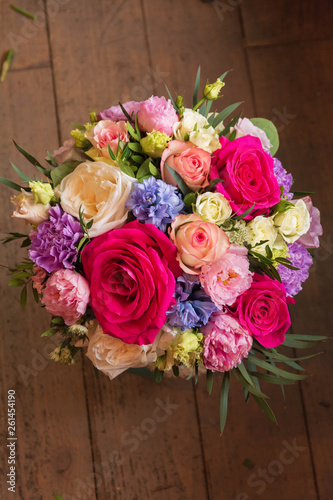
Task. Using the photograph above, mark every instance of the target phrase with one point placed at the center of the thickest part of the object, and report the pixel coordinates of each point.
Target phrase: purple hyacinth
(53, 247)
(154, 201)
(284, 179)
(193, 307)
(299, 257)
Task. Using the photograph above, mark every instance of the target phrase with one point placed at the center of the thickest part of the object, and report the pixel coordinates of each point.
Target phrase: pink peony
(107, 133)
(38, 278)
(263, 311)
(248, 174)
(190, 162)
(310, 239)
(156, 113)
(227, 278)
(66, 294)
(225, 342)
(131, 272)
(116, 114)
(198, 242)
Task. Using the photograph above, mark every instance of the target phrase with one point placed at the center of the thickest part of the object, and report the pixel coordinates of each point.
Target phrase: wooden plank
(283, 22)
(300, 79)
(53, 445)
(101, 67)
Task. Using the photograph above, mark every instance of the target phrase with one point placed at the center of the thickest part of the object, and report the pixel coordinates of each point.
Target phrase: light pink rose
(225, 342)
(190, 162)
(66, 294)
(107, 133)
(156, 113)
(38, 278)
(198, 242)
(227, 278)
(310, 239)
(116, 114)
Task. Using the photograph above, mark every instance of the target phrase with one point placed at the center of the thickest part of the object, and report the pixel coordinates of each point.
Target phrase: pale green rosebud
(212, 90)
(155, 143)
(42, 192)
(80, 140)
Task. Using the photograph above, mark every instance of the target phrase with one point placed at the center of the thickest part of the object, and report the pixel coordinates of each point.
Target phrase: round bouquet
(169, 237)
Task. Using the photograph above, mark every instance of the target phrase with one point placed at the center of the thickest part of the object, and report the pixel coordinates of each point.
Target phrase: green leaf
(222, 77)
(57, 497)
(190, 198)
(137, 159)
(26, 243)
(248, 386)
(90, 223)
(35, 294)
(224, 400)
(23, 298)
(22, 274)
(175, 370)
(172, 100)
(135, 146)
(196, 88)
(125, 113)
(179, 181)
(58, 320)
(52, 160)
(278, 371)
(50, 332)
(270, 130)
(245, 374)
(298, 344)
(24, 177)
(82, 242)
(32, 160)
(232, 136)
(209, 380)
(272, 379)
(306, 337)
(126, 169)
(266, 408)
(158, 375)
(132, 132)
(233, 122)
(16, 282)
(302, 193)
(268, 252)
(144, 169)
(224, 114)
(244, 214)
(63, 170)
(11, 184)
(153, 170)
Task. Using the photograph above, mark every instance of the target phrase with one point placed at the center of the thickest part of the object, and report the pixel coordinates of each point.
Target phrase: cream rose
(244, 126)
(294, 222)
(101, 190)
(206, 138)
(213, 207)
(28, 210)
(191, 119)
(262, 229)
(112, 356)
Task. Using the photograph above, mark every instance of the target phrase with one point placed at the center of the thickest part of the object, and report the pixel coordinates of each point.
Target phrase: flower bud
(212, 90)
(42, 192)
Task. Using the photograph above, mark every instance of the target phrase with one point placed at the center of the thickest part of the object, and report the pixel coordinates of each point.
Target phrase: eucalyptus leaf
(270, 130)
(63, 170)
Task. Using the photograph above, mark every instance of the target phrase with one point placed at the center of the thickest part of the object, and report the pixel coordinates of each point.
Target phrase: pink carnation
(156, 113)
(227, 278)
(226, 342)
(116, 114)
(66, 294)
(38, 278)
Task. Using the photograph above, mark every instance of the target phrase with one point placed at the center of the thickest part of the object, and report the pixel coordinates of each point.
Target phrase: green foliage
(62, 171)
(270, 130)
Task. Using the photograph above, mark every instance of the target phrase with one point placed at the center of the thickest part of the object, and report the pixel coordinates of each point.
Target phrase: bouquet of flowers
(164, 237)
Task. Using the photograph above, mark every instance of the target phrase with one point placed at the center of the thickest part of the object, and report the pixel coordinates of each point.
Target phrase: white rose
(187, 124)
(112, 356)
(262, 229)
(244, 126)
(213, 207)
(101, 190)
(206, 138)
(294, 222)
(220, 126)
(28, 210)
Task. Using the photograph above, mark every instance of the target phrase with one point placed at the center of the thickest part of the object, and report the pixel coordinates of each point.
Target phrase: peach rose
(190, 162)
(198, 242)
(107, 133)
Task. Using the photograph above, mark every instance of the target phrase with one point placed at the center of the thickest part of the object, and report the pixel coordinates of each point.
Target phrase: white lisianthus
(191, 120)
(220, 126)
(262, 229)
(101, 190)
(213, 207)
(294, 222)
(205, 138)
(244, 126)
(28, 210)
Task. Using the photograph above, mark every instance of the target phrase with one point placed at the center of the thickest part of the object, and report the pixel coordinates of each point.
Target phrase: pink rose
(263, 311)
(38, 278)
(198, 242)
(248, 175)
(131, 272)
(156, 113)
(227, 278)
(66, 294)
(225, 342)
(310, 239)
(116, 114)
(190, 162)
(107, 133)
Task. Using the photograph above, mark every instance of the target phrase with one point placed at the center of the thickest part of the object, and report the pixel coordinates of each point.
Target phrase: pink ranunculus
(310, 239)
(107, 133)
(225, 342)
(156, 113)
(38, 278)
(131, 272)
(263, 311)
(248, 176)
(227, 278)
(198, 242)
(190, 162)
(116, 114)
(66, 294)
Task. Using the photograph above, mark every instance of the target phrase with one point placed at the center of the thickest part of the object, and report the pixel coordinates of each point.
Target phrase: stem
(23, 12)
(199, 103)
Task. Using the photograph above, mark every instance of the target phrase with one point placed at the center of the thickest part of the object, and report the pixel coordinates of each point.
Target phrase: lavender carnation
(193, 307)
(284, 179)
(299, 257)
(53, 247)
(155, 202)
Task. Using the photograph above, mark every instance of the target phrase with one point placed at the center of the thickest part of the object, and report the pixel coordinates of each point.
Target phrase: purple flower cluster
(193, 307)
(53, 247)
(284, 179)
(155, 202)
(299, 257)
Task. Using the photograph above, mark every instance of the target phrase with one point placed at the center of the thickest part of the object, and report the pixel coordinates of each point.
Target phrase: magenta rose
(263, 311)
(131, 272)
(248, 176)
(156, 113)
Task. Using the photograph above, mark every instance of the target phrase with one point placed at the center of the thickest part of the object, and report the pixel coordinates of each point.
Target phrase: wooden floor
(79, 434)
